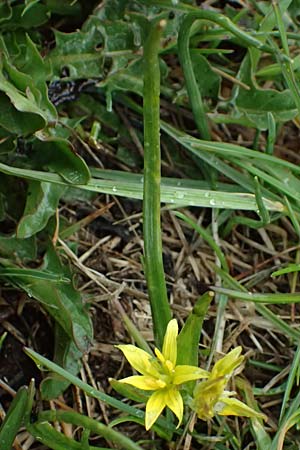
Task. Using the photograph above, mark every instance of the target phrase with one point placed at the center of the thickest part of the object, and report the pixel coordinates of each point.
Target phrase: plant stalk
(153, 261)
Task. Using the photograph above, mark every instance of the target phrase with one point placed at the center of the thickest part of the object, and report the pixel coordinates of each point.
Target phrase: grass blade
(13, 419)
(273, 318)
(186, 194)
(293, 374)
(94, 426)
(189, 76)
(274, 299)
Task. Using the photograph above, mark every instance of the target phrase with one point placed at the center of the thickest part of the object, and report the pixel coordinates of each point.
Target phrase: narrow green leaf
(271, 138)
(268, 21)
(291, 417)
(262, 210)
(170, 192)
(291, 382)
(293, 217)
(93, 425)
(47, 435)
(287, 67)
(273, 318)
(13, 419)
(34, 274)
(195, 97)
(274, 299)
(262, 438)
(289, 269)
(189, 337)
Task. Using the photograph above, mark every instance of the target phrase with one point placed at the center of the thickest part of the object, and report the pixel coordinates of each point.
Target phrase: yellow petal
(144, 382)
(154, 407)
(182, 374)
(139, 360)
(170, 342)
(234, 407)
(159, 356)
(226, 365)
(175, 403)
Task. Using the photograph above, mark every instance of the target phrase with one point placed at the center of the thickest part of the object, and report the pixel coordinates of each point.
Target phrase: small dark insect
(33, 417)
(67, 91)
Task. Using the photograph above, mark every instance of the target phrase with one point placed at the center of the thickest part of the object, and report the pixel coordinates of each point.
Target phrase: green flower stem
(154, 269)
(190, 79)
(87, 423)
(244, 38)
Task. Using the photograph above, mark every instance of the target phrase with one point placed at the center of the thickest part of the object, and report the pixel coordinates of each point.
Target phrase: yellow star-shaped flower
(210, 396)
(161, 375)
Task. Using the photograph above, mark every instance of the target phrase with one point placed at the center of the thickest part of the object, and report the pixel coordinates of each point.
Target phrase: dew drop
(114, 189)
(179, 194)
(137, 39)
(212, 202)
